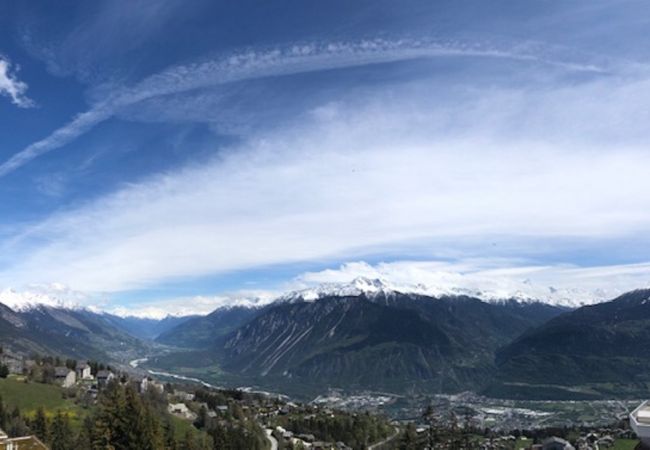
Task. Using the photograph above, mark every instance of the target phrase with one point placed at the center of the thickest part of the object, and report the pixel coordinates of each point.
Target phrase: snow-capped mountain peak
(356, 287)
(28, 300)
(524, 292)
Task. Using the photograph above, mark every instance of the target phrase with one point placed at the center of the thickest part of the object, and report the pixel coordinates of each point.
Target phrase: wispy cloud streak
(248, 65)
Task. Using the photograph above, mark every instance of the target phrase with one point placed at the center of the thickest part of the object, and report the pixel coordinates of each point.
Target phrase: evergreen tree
(61, 435)
(4, 416)
(85, 436)
(169, 435)
(40, 426)
(188, 442)
(110, 428)
(409, 439)
(16, 425)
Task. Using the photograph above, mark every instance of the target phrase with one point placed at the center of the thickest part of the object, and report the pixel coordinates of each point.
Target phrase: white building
(64, 376)
(181, 410)
(149, 383)
(640, 422)
(83, 371)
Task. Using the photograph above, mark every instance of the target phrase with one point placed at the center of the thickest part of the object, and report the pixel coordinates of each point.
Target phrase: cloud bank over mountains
(489, 280)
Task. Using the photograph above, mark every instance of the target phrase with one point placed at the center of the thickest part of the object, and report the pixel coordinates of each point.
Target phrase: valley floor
(495, 413)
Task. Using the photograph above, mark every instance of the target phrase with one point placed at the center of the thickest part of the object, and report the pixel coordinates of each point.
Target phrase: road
(272, 440)
(136, 362)
(385, 441)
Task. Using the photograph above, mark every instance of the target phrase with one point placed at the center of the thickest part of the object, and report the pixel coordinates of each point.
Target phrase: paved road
(272, 440)
(388, 439)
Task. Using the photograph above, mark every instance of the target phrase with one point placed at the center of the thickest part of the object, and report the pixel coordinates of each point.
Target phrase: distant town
(189, 415)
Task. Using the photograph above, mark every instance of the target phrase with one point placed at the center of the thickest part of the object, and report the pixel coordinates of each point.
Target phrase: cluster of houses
(20, 443)
(67, 377)
(592, 440)
(305, 440)
(83, 378)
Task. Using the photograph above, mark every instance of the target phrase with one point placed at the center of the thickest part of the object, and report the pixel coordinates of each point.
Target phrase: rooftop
(61, 371)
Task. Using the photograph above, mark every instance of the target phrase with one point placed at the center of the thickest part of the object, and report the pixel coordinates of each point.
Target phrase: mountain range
(595, 351)
(367, 336)
(363, 336)
(66, 332)
(379, 342)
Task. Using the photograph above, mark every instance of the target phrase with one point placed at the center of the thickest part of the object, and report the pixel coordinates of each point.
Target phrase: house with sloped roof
(83, 371)
(20, 443)
(104, 377)
(64, 376)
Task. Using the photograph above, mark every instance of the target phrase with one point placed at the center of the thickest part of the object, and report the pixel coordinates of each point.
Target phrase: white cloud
(310, 57)
(12, 87)
(330, 191)
(89, 47)
(199, 304)
(489, 279)
(391, 170)
(561, 284)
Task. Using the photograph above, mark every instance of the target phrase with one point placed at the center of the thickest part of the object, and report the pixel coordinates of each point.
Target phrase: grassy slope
(30, 396)
(182, 426)
(625, 444)
(523, 443)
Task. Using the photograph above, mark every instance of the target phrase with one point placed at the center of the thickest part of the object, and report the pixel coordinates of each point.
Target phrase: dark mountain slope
(387, 341)
(471, 321)
(202, 332)
(595, 347)
(71, 333)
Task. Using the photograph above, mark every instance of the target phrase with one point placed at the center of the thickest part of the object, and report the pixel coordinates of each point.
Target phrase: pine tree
(169, 435)
(61, 435)
(85, 436)
(409, 439)
(189, 443)
(40, 426)
(110, 428)
(4, 417)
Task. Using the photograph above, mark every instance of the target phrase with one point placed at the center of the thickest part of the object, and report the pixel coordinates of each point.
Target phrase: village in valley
(262, 420)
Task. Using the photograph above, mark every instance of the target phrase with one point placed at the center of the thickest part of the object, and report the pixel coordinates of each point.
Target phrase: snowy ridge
(28, 300)
(526, 293)
(493, 289)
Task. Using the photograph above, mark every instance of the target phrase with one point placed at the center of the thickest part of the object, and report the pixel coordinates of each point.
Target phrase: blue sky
(156, 152)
